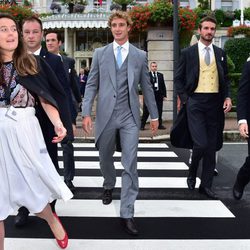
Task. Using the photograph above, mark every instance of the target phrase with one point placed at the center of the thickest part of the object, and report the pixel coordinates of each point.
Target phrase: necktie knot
(119, 56)
(207, 56)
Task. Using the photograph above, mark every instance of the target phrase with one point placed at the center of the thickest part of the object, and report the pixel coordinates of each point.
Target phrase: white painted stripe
(141, 145)
(93, 244)
(144, 182)
(145, 208)
(235, 143)
(139, 154)
(140, 165)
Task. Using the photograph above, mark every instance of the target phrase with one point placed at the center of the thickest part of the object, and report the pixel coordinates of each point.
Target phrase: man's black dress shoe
(107, 196)
(237, 191)
(21, 218)
(191, 182)
(161, 127)
(129, 226)
(70, 185)
(216, 172)
(208, 192)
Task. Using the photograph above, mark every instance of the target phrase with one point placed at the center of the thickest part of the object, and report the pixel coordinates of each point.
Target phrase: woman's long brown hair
(24, 63)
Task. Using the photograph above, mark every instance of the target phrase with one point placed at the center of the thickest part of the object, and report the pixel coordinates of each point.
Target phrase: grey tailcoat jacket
(102, 83)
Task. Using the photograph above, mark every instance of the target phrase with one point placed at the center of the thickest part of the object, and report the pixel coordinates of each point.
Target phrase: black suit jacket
(243, 102)
(187, 73)
(161, 84)
(56, 65)
(187, 77)
(69, 67)
(46, 85)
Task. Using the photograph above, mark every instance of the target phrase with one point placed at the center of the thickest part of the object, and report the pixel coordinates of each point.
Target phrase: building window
(184, 3)
(226, 5)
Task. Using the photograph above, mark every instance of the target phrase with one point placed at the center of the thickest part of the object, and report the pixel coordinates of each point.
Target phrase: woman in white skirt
(28, 177)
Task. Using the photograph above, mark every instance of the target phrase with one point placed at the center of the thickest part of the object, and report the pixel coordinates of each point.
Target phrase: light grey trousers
(129, 134)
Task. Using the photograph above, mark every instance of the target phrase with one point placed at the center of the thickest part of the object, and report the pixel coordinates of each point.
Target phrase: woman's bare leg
(1, 235)
(54, 224)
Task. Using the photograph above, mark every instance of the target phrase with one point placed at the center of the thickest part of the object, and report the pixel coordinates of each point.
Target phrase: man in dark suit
(243, 116)
(32, 35)
(53, 41)
(82, 80)
(202, 84)
(158, 84)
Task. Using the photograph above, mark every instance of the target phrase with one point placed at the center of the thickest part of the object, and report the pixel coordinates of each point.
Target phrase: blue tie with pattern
(119, 56)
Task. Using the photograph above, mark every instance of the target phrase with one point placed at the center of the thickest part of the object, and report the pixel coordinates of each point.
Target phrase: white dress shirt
(202, 50)
(124, 50)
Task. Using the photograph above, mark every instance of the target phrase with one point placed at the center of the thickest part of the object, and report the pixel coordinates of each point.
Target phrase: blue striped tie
(119, 56)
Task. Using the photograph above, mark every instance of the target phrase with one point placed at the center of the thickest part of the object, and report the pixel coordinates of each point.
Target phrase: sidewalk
(231, 132)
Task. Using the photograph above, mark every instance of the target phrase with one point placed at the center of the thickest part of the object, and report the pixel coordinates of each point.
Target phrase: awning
(76, 20)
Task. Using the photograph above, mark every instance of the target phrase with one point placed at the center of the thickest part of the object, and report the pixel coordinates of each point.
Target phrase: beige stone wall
(160, 49)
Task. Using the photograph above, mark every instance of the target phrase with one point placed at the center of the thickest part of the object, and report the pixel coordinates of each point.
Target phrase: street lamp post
(241, 12)
(176, 52)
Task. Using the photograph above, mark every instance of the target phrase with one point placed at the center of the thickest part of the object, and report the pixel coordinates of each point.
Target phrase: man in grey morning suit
(118, 111)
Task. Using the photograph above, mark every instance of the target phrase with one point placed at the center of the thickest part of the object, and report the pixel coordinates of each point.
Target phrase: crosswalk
(169, 216)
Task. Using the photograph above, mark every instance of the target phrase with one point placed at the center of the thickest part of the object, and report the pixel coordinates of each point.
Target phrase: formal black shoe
(21, 218)
(208, 192)
(237, 191)
(129, 226)
(161, 127)
(70, 186)
(216, 172)
(191, 181)
(107, 196)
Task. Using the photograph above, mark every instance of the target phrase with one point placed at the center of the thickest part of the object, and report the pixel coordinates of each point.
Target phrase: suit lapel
(110, 64)
(131, 65)
(195, 59)
(65, 63)
(218, 58)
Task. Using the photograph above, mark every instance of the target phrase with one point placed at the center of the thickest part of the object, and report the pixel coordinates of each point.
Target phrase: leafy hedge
(238, 49)
(234, 78)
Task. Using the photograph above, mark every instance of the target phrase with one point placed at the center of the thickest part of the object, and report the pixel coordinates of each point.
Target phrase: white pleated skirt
(27, 175)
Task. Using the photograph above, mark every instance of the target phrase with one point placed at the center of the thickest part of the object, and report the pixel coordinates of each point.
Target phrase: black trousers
(68, 159)
(203, 112)
(145, 114)
(243, 176)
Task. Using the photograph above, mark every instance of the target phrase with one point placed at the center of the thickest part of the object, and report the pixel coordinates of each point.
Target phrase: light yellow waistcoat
(208, 79)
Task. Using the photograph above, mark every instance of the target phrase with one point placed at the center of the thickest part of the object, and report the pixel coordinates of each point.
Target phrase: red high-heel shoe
(64, 242)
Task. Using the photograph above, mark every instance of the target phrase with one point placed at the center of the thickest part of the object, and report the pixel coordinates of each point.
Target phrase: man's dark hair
(58, 34)
(33, 19)
(207, 19)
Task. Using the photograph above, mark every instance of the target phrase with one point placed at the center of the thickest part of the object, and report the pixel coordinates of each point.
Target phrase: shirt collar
(203, 46)
(124, 46)
(37, 52)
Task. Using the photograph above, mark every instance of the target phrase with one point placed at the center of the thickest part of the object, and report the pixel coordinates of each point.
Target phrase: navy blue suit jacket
(56, 65)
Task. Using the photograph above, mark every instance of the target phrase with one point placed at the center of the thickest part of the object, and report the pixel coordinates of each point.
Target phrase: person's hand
(243, 128)
(60, 131)
(87, 125)
(154, 127)
(74, 129)
(227, 105)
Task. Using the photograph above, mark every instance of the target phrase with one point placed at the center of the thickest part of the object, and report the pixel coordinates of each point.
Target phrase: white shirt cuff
(242, 121)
